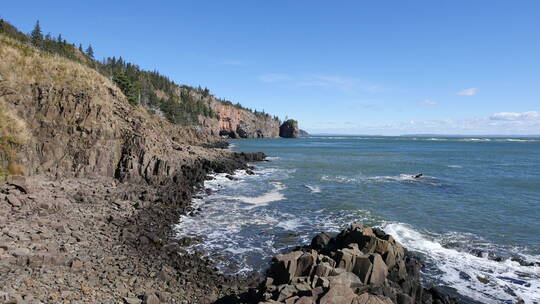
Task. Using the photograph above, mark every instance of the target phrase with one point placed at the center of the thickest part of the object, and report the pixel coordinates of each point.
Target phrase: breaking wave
(479, 278)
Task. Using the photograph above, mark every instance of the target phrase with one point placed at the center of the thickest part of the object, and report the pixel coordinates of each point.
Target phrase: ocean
(472, 216)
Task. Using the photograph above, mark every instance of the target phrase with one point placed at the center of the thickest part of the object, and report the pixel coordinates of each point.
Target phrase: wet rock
(320, 241)
(360, 265)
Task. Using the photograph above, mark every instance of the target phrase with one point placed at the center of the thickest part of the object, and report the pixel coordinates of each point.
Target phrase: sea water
(474, 209)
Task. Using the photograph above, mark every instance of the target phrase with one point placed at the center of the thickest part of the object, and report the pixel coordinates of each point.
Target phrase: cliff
(93, 188)
(233, 122)
(73, 121)
(191, 107)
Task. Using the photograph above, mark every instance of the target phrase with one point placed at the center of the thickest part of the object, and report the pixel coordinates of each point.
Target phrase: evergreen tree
(90, 51)
(36, 35)
(80, 48)
(59, 39)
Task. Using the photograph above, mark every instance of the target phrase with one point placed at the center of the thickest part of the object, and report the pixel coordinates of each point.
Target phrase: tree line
(180, 104)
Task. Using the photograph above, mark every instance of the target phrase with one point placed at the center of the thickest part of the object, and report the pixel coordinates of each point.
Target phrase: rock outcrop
(303, 133)
(358, 266)
(289, 129)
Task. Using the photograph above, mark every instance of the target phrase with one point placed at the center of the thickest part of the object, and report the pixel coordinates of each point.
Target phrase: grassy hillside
(180, 104)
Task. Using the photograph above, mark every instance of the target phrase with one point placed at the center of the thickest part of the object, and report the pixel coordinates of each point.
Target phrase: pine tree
(59, 38)
(36, 35)
(90, 51)
(80, 47)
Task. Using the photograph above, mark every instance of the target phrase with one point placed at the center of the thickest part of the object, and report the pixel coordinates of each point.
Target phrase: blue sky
(355, 67)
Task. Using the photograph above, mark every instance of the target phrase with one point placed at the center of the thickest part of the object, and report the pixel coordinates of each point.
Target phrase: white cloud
(427, 102)
(346, 84)
(516, 116)
(468, 92)
(505, 123)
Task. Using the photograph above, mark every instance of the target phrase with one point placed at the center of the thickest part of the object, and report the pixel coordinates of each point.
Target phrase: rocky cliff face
(80, 124)
(233, 122)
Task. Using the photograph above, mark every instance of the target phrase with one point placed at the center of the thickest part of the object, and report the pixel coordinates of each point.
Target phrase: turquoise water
(478, 198)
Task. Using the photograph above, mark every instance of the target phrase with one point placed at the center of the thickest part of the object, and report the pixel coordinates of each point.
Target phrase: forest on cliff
(180, 104)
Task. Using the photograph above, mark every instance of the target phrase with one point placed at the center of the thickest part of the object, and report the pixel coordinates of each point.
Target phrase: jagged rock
(150, 298)
(14, 201)
(338, 293)
(286, 292)
(289, 129)
(320, 241)
(132, 300)
(379, 271)
(303, 133)
(19, 182)
(360, 265)
(366, 298)
(363, 268)
(283, 267)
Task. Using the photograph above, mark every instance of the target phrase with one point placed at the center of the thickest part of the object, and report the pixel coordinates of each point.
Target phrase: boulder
(320, 241)
(363, 268)
(380, 271)
(283, 267)
(338, 294)
(151, 298)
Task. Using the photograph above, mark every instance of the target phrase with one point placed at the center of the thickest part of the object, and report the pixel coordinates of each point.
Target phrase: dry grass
(13, 135)
(23, 65)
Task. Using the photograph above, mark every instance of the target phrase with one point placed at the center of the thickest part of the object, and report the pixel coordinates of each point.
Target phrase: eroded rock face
(233, 122)
(289, 129)
(360, 265)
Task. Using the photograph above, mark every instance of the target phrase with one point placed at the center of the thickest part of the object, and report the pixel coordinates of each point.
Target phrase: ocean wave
(454, 166)
(410, 178)
(313, 189)
(479, 278)
(272, 158)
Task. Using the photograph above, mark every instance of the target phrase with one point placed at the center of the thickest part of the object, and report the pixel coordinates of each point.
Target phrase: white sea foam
(465, 271)
(273, 195)
(383, 178)
(290, 224)
(313, 189)
(272, 158)
(454, 166)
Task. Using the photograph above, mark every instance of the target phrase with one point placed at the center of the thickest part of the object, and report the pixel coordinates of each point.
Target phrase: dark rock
(320, 241)
(289, 129)
(303, 133)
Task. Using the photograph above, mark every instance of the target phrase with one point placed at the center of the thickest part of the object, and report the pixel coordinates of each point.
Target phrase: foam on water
(409, 178)
(262, 200)
(313, 189)
(504, 281)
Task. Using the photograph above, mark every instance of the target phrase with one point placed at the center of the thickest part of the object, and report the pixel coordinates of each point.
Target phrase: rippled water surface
(477, 197)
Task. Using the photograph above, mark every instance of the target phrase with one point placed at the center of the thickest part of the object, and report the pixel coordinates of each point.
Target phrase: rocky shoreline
(360, 265)
(100, 240)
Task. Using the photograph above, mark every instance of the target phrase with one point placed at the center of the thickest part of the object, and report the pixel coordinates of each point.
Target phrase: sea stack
(289, 129)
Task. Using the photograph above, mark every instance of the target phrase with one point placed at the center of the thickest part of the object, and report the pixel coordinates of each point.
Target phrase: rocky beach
(118, 185)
